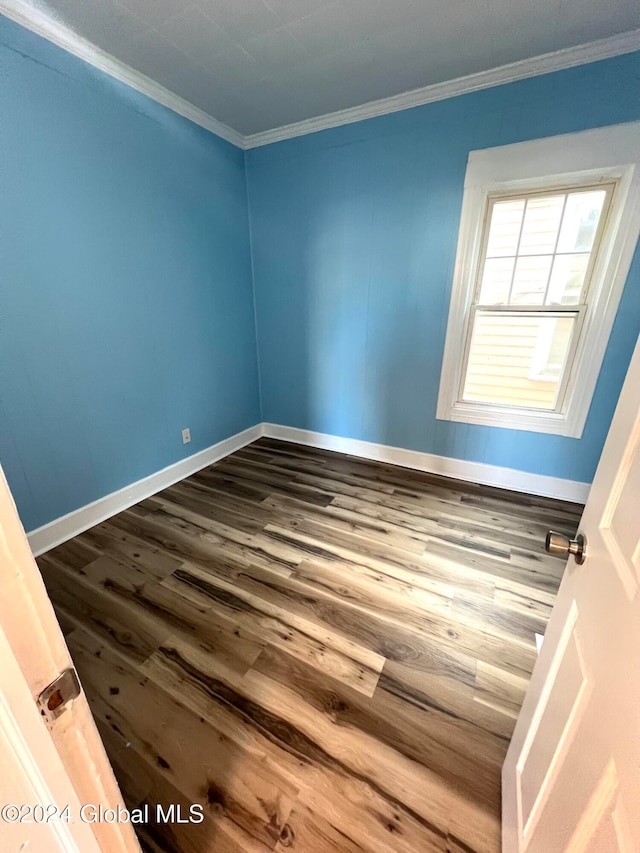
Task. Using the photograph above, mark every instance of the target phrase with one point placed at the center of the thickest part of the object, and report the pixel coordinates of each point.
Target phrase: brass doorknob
(561, 546)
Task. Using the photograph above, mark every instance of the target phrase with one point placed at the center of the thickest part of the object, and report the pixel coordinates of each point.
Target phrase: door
(571, 778)
(46, 763)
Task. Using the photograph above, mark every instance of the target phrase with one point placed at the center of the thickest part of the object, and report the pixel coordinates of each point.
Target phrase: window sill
(529, 421)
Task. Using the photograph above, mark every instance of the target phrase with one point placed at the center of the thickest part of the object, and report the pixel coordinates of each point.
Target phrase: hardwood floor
(327, 654)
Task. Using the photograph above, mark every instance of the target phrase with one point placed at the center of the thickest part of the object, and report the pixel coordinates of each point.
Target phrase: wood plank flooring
(326, 653)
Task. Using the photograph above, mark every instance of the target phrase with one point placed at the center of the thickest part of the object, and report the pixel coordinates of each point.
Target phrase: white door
(46, 763)
(571, 778)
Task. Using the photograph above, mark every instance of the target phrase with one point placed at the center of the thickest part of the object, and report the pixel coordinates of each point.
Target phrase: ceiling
(260, 64)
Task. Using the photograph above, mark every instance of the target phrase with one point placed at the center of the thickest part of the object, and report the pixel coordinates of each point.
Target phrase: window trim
(602, 156)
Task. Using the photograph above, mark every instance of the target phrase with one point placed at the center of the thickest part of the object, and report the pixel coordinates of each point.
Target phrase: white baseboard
(67, 526)
(459, 469)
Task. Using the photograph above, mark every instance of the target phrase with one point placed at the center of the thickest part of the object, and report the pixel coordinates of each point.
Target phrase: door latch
(56, 698)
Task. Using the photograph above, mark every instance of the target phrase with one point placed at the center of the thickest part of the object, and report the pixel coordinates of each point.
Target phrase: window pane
(541, 225)
(496, 281)
(506, 218)
(530, 280)
(567, 279)
(517, 359)
(580, 221)
(553, 345)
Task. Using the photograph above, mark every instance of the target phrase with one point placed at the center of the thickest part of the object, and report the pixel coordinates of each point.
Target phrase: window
(530, 298)
(542, 259)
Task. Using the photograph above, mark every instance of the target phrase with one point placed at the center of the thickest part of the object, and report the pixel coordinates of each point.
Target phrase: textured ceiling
(259, 64)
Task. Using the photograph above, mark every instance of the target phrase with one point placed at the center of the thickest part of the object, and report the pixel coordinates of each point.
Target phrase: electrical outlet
(186, 435)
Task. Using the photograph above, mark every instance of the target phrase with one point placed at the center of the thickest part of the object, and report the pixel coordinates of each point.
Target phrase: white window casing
(607, 157)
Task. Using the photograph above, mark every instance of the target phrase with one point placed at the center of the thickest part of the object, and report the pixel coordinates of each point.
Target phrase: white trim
(39, 21)
(605, 154)
(35, 757)
(44, 24)
(557, 60)
(67, 526)
(458, 469)
(25, 760)
(70, 525)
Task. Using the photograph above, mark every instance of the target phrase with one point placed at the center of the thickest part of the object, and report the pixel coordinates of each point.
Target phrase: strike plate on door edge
(57, 697)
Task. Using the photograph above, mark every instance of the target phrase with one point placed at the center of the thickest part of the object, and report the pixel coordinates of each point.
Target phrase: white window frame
(605, 155)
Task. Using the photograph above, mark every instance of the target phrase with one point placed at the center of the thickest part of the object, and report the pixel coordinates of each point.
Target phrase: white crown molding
(537, 65)
(458, 469)
(39, 21)
(43, 24)
(73, 523)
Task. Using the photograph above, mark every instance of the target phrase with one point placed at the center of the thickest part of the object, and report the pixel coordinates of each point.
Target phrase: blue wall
(126, 300)
(126, 304)
(354, 235)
